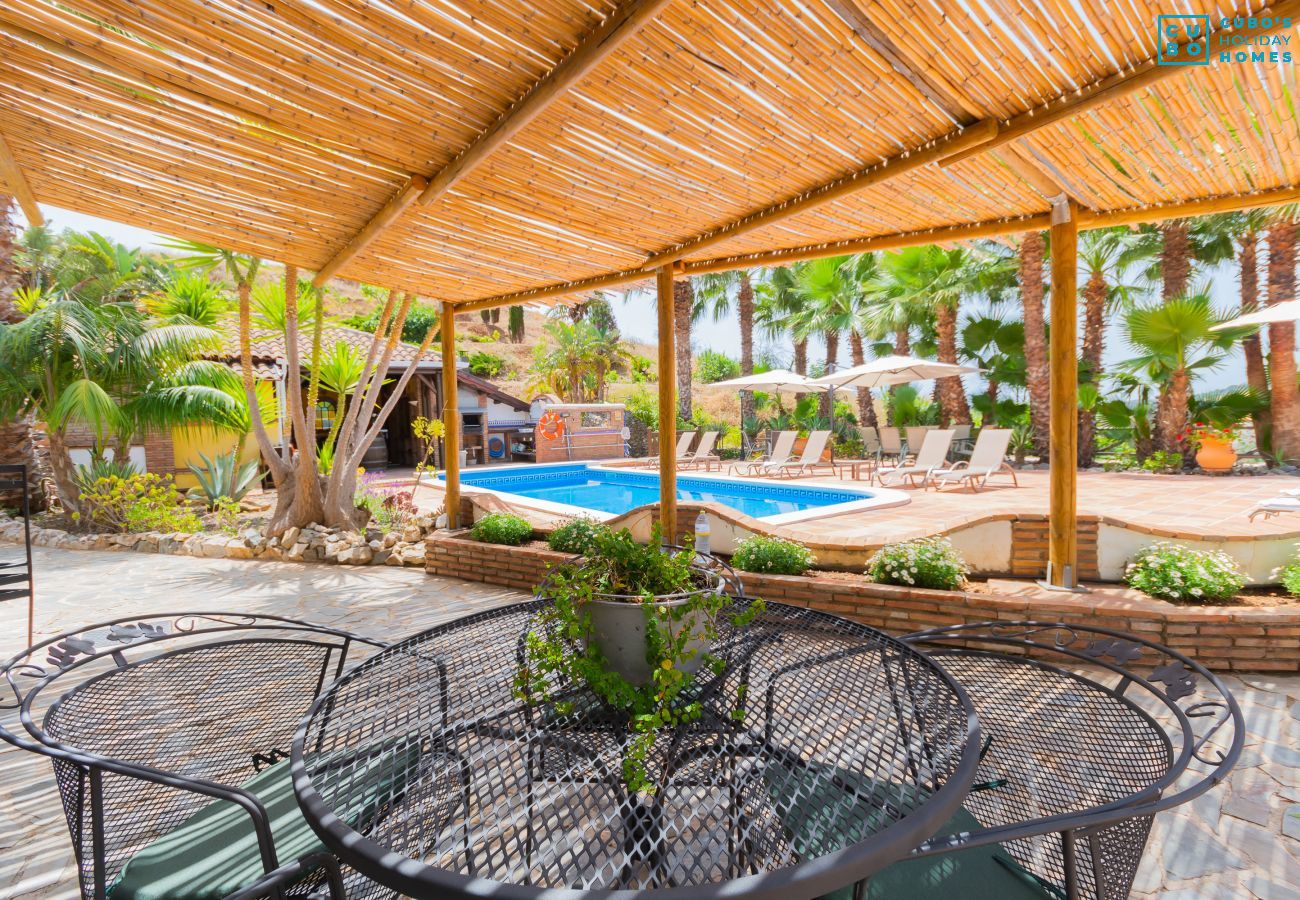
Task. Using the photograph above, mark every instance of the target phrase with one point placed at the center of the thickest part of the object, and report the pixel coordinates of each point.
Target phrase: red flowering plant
(1200, 432)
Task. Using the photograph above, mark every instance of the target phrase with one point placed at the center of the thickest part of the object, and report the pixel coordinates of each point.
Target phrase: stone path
(1241, 840)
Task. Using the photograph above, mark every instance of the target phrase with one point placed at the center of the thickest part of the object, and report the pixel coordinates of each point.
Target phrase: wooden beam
(933, 152)
(1227, 203)
(1063, 431)
(667, 406)
(613, 279)
(1280, 16)
(396, 205)
(931, 84)
(450, 414)
(612, 33)
(864, 245)
(18, 186)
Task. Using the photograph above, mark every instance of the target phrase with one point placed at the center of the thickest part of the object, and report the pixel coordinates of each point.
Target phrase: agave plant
(225, 476)
(102, 467)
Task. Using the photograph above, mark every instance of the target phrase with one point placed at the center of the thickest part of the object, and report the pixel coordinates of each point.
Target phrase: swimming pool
(606, 491)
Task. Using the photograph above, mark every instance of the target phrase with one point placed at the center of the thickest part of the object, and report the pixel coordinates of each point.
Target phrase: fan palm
(1032, 290)
(714, 294)
(1285, 406)
(831, 305)
(1174, 341)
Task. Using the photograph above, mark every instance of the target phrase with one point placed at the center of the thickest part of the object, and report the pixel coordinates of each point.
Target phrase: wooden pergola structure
(493, 152)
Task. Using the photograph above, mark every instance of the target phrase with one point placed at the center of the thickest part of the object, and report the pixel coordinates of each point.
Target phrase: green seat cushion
(836, 808)
(215, 852)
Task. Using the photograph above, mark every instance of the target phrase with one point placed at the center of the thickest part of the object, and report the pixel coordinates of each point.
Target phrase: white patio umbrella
(1281, 312)
(772, 380)
(889, 370)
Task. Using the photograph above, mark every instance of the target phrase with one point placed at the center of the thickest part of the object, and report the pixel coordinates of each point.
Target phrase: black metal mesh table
(423, 770)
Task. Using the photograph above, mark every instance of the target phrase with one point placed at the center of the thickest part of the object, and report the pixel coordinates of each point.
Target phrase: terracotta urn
(1216, 454)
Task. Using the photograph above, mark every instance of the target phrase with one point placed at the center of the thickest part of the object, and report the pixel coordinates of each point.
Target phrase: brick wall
(1029, 547)
(159, 452)
(1243, 639)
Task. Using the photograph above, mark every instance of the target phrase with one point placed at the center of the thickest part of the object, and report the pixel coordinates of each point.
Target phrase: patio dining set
(215, 754)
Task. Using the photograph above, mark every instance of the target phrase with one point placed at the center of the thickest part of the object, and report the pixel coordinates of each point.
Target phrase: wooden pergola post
(667, 407)
(450, 413)
(1062, 541)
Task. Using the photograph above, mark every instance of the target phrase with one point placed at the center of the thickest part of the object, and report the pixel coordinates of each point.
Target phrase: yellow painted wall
(189, 442)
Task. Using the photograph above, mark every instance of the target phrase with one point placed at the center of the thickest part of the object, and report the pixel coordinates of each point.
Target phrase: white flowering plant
(1183, 575)
(924, 563)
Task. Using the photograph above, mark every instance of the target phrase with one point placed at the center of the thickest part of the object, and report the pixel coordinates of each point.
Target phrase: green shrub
(105, 468)
(780, 557)
(1291, 579)
(224, 476)
(642, 405)
(1179, 573)
(418, 321)
(576, 536)
(924, 563)
(711, 366)
(502, 528)
(486, 365)
(1163, 461)
(146, 502)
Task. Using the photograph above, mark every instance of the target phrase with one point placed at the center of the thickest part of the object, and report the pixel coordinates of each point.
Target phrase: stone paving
(1240, 840)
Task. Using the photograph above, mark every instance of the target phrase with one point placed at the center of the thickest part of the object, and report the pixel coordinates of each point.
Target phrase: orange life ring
(550, 425)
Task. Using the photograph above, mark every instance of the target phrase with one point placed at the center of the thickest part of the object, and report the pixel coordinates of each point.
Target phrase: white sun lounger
(1275, 507)
(703, 455)
(810, 460)
(988, 458)
(932, 456)
(781, 453)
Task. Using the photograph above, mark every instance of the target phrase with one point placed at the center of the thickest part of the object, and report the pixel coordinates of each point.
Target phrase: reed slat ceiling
(282, 129)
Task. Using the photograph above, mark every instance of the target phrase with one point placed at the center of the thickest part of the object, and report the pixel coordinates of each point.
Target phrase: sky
(635, 311)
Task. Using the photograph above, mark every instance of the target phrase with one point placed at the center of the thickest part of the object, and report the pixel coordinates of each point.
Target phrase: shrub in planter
(575, 536)
(1291, 579)
(1179, 573)
(923, 563)
(501, 528)
(772, 555)
(634, 624)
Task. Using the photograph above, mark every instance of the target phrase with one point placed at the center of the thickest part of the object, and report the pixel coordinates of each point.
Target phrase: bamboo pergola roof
(486, 151)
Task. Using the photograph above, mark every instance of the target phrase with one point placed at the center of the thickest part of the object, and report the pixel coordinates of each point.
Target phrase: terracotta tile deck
(1192, 505)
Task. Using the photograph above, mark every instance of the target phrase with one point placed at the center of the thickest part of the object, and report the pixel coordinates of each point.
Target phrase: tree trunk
(1094, 336)
(745, 311)
(800, 362)
(866, 405)
(1281, 343)
(1251, 345)
(1036, 368)
(955, 408)
(1171, 416)
(902, 347)
(64, 473)
(832, 339)
(1175, 259)
(683, 304)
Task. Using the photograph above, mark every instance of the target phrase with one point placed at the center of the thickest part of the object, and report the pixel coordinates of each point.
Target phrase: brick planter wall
(1029, 547)
(1240, 639)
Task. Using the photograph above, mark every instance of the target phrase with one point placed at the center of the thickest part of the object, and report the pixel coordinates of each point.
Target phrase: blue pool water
(619, 491)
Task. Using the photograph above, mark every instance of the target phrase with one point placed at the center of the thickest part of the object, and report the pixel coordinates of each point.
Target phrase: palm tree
(831, 306)
(1249, 227)
(1030, 259)
(1104, 255)
(776, 302)
(1285, 404)
(1169, 335)
(714, 293)
(338, 371)
(189, 297)
(683, 308)
(78, 362)
(997, 346)
(16, 446)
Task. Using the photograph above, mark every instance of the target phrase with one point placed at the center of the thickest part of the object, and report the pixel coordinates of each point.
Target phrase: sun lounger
(703, 455)
(891, 443)
(1275, 507)
(914, 437)
(782, 452)
(808, 462)
(988, 458)
(933, 455)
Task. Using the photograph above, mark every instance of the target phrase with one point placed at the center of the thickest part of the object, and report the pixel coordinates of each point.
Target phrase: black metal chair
(1089, 733)
(170, 741)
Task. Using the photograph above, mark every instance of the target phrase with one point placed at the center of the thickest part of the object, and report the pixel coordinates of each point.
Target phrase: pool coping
(879, 498)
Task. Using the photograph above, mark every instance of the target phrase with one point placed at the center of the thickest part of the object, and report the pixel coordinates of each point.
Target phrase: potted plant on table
(1213, 445)
(633, 624)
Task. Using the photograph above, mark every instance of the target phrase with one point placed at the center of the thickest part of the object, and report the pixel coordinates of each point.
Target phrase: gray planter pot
(618, 628)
